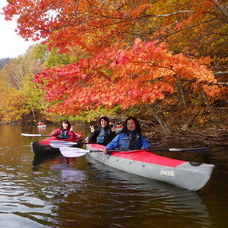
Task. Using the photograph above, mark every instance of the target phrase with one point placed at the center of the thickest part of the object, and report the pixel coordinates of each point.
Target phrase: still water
(88, 194)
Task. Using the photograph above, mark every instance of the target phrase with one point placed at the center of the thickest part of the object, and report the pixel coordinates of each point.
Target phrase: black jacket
(109, 135)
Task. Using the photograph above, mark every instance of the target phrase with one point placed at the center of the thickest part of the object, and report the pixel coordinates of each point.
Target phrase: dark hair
(137, 125)
(105, 118)
(67, 122)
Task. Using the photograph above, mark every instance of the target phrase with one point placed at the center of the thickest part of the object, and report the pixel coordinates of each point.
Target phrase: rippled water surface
(85, 193)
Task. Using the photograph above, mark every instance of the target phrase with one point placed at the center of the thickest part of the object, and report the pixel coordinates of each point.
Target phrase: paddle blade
(59, 144)
(200, 149)
(72, 152)
(32, 135)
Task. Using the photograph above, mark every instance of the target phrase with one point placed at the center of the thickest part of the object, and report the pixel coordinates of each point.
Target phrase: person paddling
(130, 138)
(65, 131)
(104, 134)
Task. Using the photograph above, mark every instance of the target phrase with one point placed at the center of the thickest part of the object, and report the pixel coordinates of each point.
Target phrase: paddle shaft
(157, 149)
(77, 152)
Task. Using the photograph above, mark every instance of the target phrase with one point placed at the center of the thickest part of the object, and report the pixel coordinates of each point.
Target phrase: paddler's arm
(72, 136)
(55, 132)
(145, 143)
(113, 144)
(93, 136)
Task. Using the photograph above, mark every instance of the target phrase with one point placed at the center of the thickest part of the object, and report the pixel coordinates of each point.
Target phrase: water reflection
(67, 171)
(58, 163)
(37, 160)
(54, 192)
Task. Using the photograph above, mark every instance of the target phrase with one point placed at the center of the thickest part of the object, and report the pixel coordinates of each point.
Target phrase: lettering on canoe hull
(169, 173)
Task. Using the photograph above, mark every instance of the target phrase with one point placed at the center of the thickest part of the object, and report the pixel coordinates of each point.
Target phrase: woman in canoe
(130, 138)
(65, 131)
(104, 134)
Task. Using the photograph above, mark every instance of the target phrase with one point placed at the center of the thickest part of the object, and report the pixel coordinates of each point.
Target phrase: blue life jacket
(130, 141)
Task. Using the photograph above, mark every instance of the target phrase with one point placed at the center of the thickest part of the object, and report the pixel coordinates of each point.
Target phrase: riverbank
(208, 127)
(207, 136)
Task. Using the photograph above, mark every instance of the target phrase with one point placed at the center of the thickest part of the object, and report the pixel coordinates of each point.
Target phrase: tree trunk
(181, 92)
(161, 121)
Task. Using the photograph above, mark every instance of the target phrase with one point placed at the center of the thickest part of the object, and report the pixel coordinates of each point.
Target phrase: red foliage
(123, 76)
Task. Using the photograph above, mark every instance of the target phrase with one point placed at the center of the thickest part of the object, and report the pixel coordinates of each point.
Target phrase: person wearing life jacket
(104, 134)
(130, 138)
(65, 132)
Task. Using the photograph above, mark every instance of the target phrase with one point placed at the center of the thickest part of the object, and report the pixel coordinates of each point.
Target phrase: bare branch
(188, 28)
(221, 72)
(222, 8)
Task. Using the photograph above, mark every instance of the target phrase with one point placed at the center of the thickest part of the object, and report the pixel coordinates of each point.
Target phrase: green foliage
(91, 115)
(56, 59)
(33, 95)
(39, 52)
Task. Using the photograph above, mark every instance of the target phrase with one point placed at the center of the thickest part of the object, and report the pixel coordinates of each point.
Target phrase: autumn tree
(132, 49)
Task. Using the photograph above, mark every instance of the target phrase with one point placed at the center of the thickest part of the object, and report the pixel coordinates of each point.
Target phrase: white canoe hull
(185, 175)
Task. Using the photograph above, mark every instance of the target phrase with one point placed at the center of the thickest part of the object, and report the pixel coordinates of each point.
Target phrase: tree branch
(223, 9)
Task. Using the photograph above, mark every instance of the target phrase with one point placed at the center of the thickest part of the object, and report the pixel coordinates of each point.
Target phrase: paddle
(77, 152)
(34, 135)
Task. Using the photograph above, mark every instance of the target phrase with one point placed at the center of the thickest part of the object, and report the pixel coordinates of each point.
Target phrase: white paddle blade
(175, 149)
(59, 144)
(189, 149)
(72, 152)
(23, 134)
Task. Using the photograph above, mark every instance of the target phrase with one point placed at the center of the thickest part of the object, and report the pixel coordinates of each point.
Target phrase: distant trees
(19, 98)
(3, 61)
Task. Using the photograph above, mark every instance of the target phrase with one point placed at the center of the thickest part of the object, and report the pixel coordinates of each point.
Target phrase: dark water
(85, 193)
